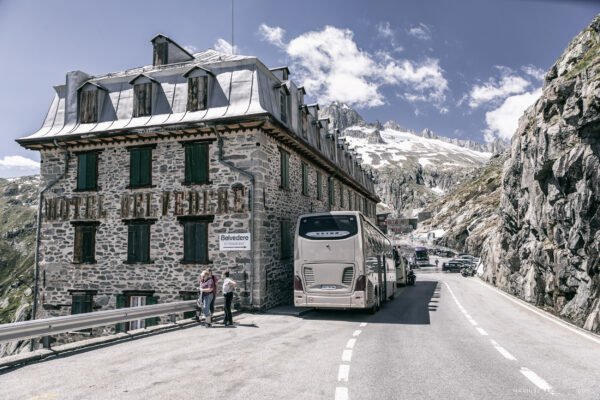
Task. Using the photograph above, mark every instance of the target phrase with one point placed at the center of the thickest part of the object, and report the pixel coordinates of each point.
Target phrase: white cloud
(19, 162)
(273, 35)
(504, 120)
(420, 32)
(493, 89)
(534, 71)
(224, 46)
(191, 48)
(384, 30)
(333, 68)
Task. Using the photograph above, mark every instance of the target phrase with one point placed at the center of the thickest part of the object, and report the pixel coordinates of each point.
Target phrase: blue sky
(462, 68)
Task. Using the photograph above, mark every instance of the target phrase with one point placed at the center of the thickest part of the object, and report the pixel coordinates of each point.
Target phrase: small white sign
(234, 241)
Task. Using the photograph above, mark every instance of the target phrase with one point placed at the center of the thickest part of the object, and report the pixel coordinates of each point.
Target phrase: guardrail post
(173, 318)
(46, 342)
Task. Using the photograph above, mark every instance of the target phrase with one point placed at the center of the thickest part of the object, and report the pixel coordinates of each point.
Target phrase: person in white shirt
(228, 285)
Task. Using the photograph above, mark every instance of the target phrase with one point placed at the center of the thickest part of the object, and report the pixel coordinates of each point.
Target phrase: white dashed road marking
(480, 330)
(356, 332)
(537, 381)
(347, 355)
(343, 373)
(341, 393)
(362, 324)
(503, 351)
(351, 343)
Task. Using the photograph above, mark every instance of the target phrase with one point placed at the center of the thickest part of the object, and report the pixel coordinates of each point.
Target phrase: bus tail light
(298, 283)
(361, 284)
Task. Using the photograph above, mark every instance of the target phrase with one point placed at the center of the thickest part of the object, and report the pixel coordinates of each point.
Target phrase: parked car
(452, 266)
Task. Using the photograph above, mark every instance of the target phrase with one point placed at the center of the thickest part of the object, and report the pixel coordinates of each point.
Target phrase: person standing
(228, 285)
(214, 279)
(207, 288)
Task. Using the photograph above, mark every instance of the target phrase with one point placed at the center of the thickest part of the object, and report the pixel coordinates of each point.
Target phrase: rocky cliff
(18, 208)
(413, 169)
(546, 248)
(468, 214)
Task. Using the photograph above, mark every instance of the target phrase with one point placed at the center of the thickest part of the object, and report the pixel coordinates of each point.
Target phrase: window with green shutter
(140, 167)
(304, 179)
(195, 240)
(286, 251)
(284, 169)
(84, 243)
(196, 163)
(349, 200)
(341, 195)
(87, 171)
(319, 186)
(331, 191)
(138, 242)
(150, 300)
(81, 303)
(197, 93)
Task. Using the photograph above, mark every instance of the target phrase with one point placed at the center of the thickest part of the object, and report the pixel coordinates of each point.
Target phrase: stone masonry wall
(165, 275)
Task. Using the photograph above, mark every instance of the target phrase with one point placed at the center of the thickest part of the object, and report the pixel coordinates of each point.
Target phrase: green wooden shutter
(77, 304)
(188, 242)
(134, 168)
(144, 242)
(202, 150)
(150, 300)
(90, 171)
(284, 160)
(144, 160)
(120, 327)
(319, 184)
(196, 163)
(201, 240)
(304, 179)
(81, 168)
(88, 234)
(188, 164)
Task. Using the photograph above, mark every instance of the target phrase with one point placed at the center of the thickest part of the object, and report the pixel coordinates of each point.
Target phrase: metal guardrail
(52, 326)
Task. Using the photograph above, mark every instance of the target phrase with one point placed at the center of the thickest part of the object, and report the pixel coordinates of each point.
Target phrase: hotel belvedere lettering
(150, 205)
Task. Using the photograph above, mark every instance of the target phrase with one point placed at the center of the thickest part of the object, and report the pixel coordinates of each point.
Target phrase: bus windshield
(328, 227)
(421, 255)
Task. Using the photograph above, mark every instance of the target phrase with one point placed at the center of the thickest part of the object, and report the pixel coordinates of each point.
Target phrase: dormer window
(91, 96)
(88, 110)
(198, 84)
(142, 95)
(142, 100)
(197, 93)
(283, 105)
(161, 53)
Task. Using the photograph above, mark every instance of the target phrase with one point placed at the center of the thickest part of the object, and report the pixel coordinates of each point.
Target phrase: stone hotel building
(197, 161)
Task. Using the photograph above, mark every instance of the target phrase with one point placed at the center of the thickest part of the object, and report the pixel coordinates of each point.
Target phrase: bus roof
(420, 248)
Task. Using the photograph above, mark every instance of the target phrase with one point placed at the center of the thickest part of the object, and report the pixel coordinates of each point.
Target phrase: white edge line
(540, 313)
(341, 393)
(503, 351)
(536, 380)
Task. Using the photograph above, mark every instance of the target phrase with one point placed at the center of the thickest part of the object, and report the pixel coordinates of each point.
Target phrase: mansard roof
(241, 90)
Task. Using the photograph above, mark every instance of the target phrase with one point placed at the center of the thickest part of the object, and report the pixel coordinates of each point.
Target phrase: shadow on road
(411, 307)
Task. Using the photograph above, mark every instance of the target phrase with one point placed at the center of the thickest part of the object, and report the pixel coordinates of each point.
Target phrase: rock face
(468, 214)
(546, 248)
(413, 169)
(18, 207)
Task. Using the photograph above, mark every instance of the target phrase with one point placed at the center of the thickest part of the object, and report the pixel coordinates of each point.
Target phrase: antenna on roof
(232, 43)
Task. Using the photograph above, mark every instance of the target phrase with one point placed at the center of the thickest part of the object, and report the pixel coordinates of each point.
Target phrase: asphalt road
(447, 337)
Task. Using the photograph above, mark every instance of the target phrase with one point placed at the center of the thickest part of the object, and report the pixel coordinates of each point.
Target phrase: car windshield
(327, 227)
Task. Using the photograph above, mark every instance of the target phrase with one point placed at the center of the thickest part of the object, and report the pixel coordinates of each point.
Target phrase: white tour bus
(341, 260)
